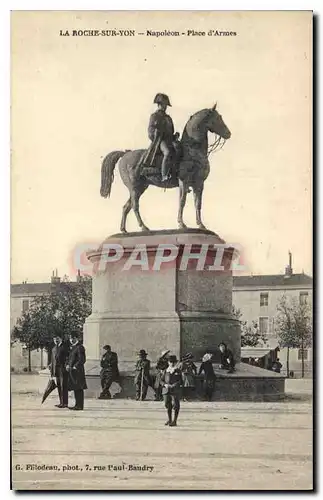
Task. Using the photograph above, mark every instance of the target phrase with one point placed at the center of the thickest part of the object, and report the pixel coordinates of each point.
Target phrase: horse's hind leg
(126, 209)
(135, 195)
(183, 188)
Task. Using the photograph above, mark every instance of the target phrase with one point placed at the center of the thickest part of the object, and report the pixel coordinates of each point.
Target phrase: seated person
(227, 359)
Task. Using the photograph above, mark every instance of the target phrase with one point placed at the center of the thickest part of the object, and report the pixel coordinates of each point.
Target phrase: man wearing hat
(162, 364)
(209, 375)
(58, 370)
(142, 376)
(172, 382)
(109, 371)
(189, 371)
(161, 129)
(75, 368)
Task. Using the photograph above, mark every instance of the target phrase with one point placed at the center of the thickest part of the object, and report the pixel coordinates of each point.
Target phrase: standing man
(109, 371)
(162, 364)
(75, 368)
(161, 130)
(58, 370)
(209, 376)
(142, 376)
(172, 382)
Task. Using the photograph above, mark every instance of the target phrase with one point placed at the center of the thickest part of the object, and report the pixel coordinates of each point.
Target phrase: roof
(255, 352)
(34, 288)
(276, 280)
(262, 280)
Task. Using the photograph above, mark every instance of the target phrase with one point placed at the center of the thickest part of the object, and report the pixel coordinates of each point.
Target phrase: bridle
(217, 145)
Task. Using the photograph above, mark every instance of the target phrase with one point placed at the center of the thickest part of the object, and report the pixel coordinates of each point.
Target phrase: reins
(216, 146)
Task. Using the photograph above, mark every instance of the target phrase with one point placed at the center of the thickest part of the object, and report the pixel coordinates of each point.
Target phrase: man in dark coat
(277, 366)
(209, 375)
(58, 370)
(75, 368)
(172, 382)
(142, 376)
(109, 371)
(161, 131)
(227, 359)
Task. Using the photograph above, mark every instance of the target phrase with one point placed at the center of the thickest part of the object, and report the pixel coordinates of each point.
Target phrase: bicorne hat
(162, 98)
(172, 358)
(142, 352)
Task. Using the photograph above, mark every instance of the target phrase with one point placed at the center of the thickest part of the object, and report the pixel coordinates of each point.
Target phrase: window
(25, 305)
(303, 298)
(263, 299)
(263, 325)
(305, 352)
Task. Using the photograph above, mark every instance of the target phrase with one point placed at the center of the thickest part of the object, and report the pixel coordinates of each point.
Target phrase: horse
(192, 171)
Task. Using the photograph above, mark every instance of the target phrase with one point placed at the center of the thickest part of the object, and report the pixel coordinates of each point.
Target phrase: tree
(250, 334)
(293, 326)
(60, 312)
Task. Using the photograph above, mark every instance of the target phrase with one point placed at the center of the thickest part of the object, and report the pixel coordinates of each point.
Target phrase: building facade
(22, 295)
(257, 298)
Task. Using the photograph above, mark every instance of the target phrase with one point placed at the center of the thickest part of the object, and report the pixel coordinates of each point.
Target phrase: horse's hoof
(201, 226)
(145, 228)
(182, 226)
(123, 230)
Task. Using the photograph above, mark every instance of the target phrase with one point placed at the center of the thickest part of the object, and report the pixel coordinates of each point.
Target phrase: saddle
(150, 162)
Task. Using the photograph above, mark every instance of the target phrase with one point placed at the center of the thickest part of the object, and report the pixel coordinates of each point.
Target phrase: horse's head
(216, 125)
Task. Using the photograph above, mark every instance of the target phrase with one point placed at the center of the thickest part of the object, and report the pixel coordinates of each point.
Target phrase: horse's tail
(107, 172)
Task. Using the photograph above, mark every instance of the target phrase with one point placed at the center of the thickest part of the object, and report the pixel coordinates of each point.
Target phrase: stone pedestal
(137, 304)
(184, 305)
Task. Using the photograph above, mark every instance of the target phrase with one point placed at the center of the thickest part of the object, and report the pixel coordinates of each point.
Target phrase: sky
(74, 99)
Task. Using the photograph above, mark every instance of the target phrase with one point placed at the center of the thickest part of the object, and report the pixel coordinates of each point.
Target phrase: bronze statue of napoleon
(168, 162)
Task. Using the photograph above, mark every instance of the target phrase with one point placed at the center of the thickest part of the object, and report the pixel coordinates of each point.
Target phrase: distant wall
(19, 358)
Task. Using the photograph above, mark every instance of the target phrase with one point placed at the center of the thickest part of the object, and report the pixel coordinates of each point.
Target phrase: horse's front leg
(198, 192)
(182, 200)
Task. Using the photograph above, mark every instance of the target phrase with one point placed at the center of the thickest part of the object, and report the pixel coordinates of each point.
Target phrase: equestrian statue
(168, 162)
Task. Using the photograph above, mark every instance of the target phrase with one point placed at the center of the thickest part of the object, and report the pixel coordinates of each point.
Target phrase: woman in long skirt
(189, 371)
(209, 376)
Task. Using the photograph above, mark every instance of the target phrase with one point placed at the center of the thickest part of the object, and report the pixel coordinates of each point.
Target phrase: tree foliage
(60, 312)
(293, 324)
(250, 333)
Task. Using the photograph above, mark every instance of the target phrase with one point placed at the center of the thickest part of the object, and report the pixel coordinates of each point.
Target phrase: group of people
(171, 380)
(67, 369)
(274, 366)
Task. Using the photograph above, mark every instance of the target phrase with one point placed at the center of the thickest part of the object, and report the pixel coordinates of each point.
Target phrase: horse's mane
(196, 119)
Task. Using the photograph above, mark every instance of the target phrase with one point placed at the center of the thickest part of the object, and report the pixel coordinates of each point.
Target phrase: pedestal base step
(247, 383)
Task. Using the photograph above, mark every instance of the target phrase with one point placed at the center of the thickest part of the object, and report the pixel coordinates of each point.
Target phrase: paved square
(124, 444)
